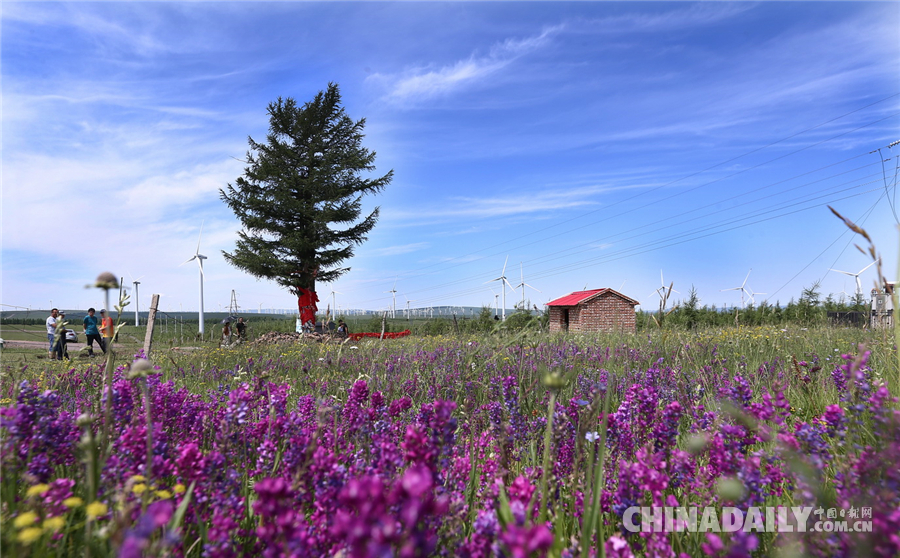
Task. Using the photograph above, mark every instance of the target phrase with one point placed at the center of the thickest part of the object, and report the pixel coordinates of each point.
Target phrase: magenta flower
(527, 542)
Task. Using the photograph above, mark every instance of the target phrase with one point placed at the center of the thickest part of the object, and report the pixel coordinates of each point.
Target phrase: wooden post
(383, 325)
(151, 321)
(455, 324)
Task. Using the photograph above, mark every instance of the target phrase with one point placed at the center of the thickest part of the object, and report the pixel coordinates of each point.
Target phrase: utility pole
(137, 314)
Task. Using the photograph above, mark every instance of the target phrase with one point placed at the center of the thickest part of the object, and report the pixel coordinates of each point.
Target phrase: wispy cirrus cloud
(669, 20)
(399, 249)
(500, 206)
(421, 83)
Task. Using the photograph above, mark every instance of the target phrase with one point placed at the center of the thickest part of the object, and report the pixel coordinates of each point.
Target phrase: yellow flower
(73, 502)
(54, 523)
(25, 519)
(37, 490)
(139, 488)
(163, 494)
(30, 535)
(95, 509)
(178, 488)
(138, 478)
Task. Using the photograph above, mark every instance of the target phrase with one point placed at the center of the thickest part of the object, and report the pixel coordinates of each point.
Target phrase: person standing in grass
(241, 328)
(51, 332)
(62, 349)
(226, 333)
(92, 332)
(107, 328)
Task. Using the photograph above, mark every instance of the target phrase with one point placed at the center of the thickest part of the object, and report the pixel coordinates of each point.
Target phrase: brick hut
(594, 310)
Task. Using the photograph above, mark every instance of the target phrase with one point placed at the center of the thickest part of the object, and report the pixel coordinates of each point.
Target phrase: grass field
(520, 444)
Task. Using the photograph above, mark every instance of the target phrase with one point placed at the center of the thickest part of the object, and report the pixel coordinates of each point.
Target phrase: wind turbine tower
(523, 284)
(503, 284)
(137, 313)
(199, 257)
(334, 300)
(393, 292)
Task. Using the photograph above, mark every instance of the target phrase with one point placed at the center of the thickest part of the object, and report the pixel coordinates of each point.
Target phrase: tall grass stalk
(545, 467)
(594, 519)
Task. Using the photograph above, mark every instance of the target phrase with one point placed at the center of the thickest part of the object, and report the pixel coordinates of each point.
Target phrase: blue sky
(592, 143)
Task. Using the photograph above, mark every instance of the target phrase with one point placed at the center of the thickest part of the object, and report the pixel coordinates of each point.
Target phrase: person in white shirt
(51, 332)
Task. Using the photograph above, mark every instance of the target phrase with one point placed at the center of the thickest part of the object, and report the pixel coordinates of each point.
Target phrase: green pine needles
(300, 197)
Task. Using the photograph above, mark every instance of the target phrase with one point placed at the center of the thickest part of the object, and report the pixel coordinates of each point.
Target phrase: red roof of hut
(576, 298)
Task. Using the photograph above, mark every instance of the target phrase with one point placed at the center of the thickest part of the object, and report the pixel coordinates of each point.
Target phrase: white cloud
(419, 84)
(521, 204)
(664, 21)
(399, 249)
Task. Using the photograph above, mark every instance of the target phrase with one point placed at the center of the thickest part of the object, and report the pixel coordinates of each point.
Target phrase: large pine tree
(300, 196)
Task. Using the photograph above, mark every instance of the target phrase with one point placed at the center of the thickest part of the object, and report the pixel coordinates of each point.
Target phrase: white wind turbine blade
(670, 290)
(867, 267)
(662, 289)
(513, 289)
(530, 287)
(200, 237)
(854, 275)
(745, 278)
(858, 282)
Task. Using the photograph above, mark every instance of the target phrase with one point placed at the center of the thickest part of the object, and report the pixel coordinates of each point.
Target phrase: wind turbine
(503, 283)
(407, 307)
(856, 276)
(743, 288)
(334, 300)
(137, 315)
(393, 292)
(753, 294)
(661, 291)
(844, 294)
(523, 284)
(199, 257)
(496, 302)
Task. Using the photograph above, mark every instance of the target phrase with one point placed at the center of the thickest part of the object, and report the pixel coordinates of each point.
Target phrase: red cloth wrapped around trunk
(306, 303)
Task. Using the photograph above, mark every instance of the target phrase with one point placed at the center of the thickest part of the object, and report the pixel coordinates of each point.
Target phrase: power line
(816, 195)
(649, 247)
(865, 216)
(677, 194)
(691, 175)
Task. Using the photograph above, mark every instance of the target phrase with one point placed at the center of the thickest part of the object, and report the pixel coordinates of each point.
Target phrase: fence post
(151, 321)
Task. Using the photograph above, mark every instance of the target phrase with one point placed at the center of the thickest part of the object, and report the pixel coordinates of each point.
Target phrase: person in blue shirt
(92, 332)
